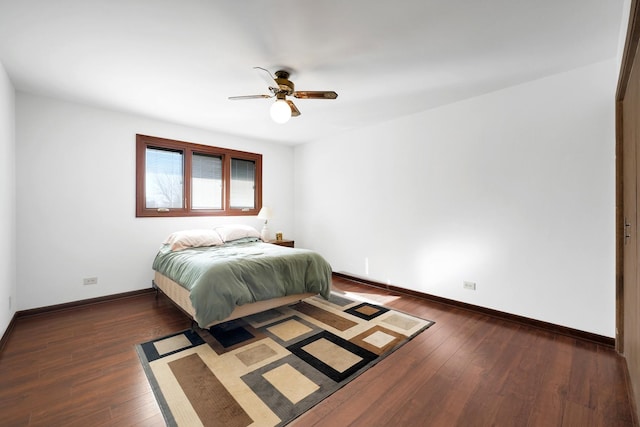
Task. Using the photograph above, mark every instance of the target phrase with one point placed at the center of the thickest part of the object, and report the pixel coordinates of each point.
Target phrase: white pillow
(193, 239)
(232, 232)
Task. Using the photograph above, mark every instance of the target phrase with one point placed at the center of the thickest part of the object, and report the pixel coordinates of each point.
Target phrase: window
(175, 178)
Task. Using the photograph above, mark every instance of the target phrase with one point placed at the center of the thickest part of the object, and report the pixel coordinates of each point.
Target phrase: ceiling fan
(280, 87)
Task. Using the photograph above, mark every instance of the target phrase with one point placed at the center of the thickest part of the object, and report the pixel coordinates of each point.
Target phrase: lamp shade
(280, 111)
(265, 213)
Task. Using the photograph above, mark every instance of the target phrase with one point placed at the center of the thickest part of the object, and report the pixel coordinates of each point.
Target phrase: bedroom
(418, 200)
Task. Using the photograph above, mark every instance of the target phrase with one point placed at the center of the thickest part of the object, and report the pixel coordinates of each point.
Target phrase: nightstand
(283, 242)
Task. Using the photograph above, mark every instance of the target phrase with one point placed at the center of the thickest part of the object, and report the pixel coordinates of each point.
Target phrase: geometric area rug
(269, 368)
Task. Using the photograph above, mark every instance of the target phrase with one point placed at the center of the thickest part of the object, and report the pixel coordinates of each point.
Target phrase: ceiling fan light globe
(280, 111)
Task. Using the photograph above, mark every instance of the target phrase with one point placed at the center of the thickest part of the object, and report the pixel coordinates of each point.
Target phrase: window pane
(243, 184)
(206, 182)
(163, 178)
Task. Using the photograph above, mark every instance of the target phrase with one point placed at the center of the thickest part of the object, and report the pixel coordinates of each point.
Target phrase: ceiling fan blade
(235, 98)
(315, 94)
(267, 77)
(294, 110)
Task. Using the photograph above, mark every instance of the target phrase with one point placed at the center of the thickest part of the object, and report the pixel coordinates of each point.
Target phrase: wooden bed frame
(180, 297)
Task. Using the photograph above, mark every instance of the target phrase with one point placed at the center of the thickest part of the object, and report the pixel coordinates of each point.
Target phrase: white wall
(76, 199)
(513, 190)
(7, 201)
(622, 35)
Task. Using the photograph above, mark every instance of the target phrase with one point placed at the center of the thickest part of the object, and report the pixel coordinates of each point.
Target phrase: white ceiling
(180, 60)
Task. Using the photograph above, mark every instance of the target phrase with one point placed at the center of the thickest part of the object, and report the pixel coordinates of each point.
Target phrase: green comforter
(221, 277)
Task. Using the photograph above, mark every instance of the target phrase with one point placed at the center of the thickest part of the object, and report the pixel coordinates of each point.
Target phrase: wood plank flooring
(78, 367)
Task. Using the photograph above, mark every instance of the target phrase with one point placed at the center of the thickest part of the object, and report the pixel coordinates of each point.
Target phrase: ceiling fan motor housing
(282, 78)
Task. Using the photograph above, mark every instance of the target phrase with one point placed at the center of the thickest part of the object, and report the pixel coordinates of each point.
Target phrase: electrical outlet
(469, 285)
(90, 281)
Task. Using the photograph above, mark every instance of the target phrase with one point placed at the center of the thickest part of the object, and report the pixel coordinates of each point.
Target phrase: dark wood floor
(79, 368)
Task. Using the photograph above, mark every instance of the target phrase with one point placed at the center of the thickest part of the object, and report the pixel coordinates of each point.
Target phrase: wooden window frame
(188, 149)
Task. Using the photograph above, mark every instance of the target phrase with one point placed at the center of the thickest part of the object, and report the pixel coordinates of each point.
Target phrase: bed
(228, 272)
